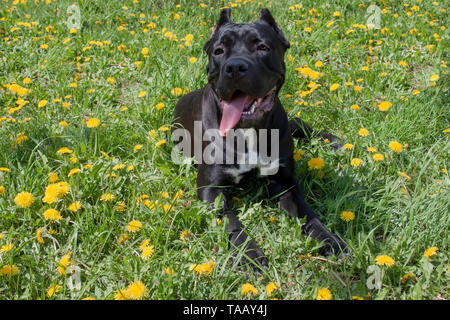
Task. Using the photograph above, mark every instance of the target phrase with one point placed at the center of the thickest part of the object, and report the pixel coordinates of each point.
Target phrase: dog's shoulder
(190, 98)
(188, 107)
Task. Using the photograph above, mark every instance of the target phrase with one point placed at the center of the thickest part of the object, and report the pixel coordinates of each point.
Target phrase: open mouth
(243, 106)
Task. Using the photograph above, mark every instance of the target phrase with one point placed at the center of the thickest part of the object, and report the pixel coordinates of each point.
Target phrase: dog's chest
(251, 160)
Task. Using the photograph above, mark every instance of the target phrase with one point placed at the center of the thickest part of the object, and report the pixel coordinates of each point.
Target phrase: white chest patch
(250, 162)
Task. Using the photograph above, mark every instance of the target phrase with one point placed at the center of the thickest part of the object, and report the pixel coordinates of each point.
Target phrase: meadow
(92, 207)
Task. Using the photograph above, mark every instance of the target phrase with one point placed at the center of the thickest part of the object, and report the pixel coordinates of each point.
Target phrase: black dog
(245, 73)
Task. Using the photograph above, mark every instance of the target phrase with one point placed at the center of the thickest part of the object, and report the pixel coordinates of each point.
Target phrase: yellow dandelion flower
(160, 143)
(52, 215)
(404, 175)
(75, 206)
(192, 59)
(363, 132)
(430, 252)
(271, 287)
(298, 154)
(249, 288)
(145, 51)
(118, 166)
(403, 63)
(53, 177)
(395, 146)
(348, 146)
(434, 77)
(355, 107)
(38, 235)
(24, 199)
(160, 106)
(384, 106)
(6, 248)
(64, 150)
(164, 194)
(64, 263)
(42, 103)
(107, 197)
(347, 216)
(121, 294)
(51, 193)
(10, 270)
(73, 172)
(142, 94)
(407, 276)
(134, 226)
(64, 188)
(93, 123)
(185, 235)
(2, 190)
(177, 194)
(378, 157)
(169, 271)
(334, 86)
(137, 147)
(324, 294)
(147, 252)
(318, 64)
(316, 164)
(356, 162)
(384, 260)
(54, 289)
(371, 149)
(144, 244)
(137, 290)
(176, 91)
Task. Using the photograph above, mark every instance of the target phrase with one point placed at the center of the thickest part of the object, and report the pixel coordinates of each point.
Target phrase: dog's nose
(236, 68)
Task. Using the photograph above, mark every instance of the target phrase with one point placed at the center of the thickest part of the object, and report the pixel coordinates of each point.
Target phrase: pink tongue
(232, 111)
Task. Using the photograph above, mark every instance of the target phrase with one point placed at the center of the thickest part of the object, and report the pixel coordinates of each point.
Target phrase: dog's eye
(262, 47)
(218, 51)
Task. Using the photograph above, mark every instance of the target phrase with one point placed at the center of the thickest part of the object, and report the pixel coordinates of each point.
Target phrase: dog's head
(246, 68)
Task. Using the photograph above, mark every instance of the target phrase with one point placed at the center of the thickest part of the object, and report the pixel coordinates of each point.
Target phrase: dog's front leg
(211, 183)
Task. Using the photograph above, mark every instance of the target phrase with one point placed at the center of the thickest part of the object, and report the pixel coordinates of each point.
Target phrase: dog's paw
(334, 142)
(249, 255)
(333, 245)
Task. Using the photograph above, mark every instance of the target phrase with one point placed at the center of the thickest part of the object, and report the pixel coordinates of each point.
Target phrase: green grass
(394, 216)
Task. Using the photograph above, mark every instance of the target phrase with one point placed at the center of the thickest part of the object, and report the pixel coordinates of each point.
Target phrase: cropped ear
(266, 16)
(225, 17)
